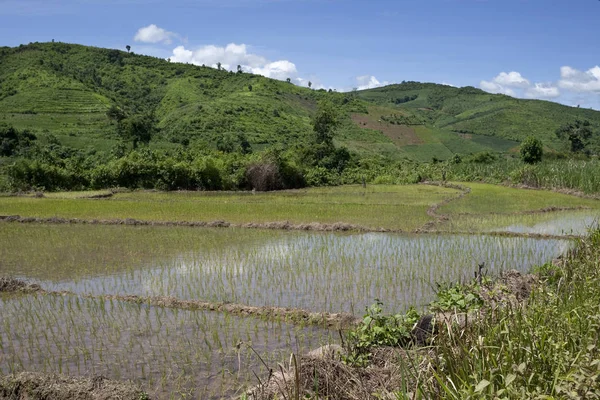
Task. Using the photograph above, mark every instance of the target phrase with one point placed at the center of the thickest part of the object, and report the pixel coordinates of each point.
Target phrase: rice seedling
(168, 352)
(559, 223)
(322, 272)
(404, 206)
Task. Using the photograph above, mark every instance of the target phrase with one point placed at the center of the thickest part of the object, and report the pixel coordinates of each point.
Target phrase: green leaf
(509, 379)
(481, 385)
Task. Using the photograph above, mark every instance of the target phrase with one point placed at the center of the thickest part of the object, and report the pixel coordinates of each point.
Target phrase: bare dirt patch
(34, 386)
(401, 135)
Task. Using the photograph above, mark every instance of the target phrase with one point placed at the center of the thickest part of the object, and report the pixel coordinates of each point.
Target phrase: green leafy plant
(378, 329)
(458, 298)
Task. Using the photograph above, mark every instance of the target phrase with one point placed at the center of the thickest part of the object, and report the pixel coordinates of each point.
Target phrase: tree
(289, 80)
(239, 69)
(116, 114)
(577, 133)
(324, 123)
(128, 47)
(137, 128)
(532, 150)
(309, 84)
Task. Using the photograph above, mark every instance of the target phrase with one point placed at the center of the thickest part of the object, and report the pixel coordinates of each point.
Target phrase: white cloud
(542, 91)
(493, 87)
(233, 55)
(511, 79)
(579, 81)
(154, 34)
(281, 70)
(505, 83)
(368, 82)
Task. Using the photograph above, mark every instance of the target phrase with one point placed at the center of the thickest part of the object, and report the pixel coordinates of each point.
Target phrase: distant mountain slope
(471, 111)
(66, 90)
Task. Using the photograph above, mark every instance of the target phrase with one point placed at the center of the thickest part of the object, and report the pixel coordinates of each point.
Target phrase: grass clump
(547, 348)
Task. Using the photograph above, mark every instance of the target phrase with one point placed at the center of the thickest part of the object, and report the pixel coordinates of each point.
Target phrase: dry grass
(32, 386)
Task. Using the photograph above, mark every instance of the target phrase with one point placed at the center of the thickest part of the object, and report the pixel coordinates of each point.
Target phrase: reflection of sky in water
(195, 349)
(566, 224)
(323, 271)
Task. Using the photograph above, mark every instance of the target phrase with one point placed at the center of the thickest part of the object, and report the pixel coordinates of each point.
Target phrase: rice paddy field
(79, 324)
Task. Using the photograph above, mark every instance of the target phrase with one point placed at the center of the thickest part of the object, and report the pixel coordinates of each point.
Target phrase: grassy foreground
(546, 349)
(378, 206)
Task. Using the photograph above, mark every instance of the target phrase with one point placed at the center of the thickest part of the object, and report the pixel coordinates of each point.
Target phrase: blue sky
(548, 49)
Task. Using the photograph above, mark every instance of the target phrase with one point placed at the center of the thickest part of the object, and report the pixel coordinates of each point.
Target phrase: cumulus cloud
(368, 82)
(233, 55)
(154, 34)
(574, 87)
(542, 91)
(493, 87)
(511, 79)
(580, 81)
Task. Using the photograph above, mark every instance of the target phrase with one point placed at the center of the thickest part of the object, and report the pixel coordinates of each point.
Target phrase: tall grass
(579, 175)
(546, 349)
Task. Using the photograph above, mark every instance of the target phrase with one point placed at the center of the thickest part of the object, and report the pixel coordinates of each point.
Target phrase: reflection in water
(577, 224)
(168, 352)
(316, 271)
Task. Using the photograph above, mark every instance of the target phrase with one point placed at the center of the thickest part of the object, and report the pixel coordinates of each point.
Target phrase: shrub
(532, 150)
(264, 176)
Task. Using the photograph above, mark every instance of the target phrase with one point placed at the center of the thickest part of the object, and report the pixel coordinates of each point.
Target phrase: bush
(264, 176)
(532, 150)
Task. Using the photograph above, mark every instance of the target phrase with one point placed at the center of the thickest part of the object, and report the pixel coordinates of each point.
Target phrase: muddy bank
(282, 225)
(35, 386)
(11, 285)
(277, 225)
(293, 315)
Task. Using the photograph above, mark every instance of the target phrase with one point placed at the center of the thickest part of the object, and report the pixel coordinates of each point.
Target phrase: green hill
(485, 119)
(66, 90)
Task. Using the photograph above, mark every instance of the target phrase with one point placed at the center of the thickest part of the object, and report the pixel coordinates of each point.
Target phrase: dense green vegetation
(471, 111)
(77, 118)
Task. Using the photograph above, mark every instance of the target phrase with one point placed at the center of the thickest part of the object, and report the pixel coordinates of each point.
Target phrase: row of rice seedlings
(554, 223)
(169, 352)
(316, 271)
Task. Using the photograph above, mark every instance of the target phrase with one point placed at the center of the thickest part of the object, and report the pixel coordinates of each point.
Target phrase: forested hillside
(75, 117)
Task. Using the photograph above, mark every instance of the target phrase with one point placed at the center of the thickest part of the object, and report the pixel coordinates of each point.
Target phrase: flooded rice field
(208, 354)
(169, 352)
(323, 272)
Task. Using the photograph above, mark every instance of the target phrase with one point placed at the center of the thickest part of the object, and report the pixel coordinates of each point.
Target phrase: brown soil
(325, 375)
(428, 228)
(279, 225)
(15, 285)
(401, 135)
(33, 386)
